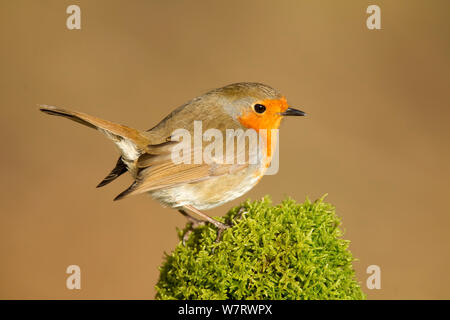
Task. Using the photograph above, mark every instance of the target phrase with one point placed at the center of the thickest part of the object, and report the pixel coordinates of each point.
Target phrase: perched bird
(148, 155)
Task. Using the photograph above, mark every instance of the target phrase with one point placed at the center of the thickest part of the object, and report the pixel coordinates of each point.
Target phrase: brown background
(375, 139)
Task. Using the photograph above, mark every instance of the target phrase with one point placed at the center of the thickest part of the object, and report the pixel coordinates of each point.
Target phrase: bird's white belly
(212, 192)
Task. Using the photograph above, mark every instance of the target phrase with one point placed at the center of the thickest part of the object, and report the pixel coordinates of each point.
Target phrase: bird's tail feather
(131, 142)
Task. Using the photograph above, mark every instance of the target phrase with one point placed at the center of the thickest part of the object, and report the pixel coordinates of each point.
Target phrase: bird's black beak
(292, 112)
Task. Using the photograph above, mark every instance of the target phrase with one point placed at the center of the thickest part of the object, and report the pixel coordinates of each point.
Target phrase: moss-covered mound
(289, 251)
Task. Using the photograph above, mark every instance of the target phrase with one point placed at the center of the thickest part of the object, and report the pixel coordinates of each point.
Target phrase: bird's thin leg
(194, 224)
(221, 226)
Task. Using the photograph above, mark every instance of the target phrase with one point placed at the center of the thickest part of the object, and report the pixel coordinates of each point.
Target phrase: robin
(186, 186)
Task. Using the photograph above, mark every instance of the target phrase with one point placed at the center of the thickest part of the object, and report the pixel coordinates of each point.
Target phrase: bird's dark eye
(259, 108)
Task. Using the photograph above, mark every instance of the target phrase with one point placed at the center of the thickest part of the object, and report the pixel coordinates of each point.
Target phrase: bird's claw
(194, 223)
(220, 230)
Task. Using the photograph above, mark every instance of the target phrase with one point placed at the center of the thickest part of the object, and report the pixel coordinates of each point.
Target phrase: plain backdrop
(376, 138)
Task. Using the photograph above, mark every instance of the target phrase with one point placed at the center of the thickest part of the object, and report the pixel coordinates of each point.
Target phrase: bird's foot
(193, 224)
(238, 216)
(221, 227)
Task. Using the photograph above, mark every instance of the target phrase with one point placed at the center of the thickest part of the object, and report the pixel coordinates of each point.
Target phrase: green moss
(289, 251)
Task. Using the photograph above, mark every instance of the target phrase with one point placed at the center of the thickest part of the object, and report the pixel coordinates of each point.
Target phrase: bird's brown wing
(157, 171)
